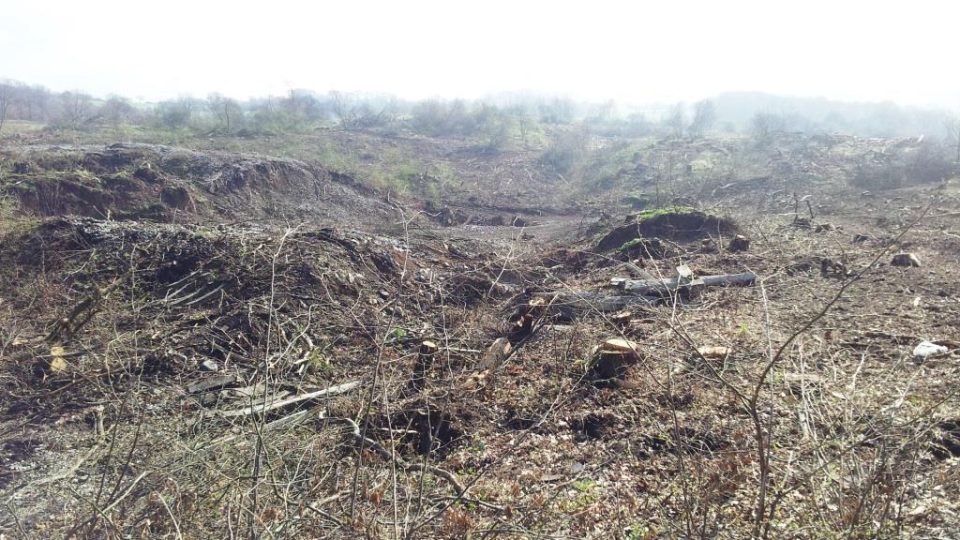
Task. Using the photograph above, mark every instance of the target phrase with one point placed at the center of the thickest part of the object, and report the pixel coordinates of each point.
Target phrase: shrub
(921, 163)
(566, 151)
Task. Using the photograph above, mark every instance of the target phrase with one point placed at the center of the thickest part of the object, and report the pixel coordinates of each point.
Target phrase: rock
(926, 349)
(209, 365)
(905, 259)
(739, 244)
(714, 352)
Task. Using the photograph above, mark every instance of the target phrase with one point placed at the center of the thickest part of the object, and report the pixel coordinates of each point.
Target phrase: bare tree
(524, 123)
(176, 113)
(6, 97)
(764, 125)
(293, 112)
(557, 111)
(566, 150)
(75, 108)
(952, 124)
(34, 103)
(675, 120)
(344, 108)
(117, 110)
(224, 109)
(704, 116)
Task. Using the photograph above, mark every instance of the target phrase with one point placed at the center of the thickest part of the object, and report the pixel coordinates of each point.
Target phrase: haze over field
(641, 53)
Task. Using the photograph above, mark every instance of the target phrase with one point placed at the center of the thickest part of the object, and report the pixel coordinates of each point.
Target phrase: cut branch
(296, 400)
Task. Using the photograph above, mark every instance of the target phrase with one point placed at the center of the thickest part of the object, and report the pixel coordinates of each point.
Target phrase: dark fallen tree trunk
(571, 304)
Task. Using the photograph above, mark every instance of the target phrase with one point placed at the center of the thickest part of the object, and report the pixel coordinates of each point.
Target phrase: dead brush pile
(148, 332)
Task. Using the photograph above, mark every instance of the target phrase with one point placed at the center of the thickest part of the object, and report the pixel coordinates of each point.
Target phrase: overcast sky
(904, 51)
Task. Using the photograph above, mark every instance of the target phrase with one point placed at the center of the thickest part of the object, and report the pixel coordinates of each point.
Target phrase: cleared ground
(166, 314)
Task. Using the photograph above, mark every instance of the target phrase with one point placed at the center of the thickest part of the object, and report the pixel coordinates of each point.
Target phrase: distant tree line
(495, 123)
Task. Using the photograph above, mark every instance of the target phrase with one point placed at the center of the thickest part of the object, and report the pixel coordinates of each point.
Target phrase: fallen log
(295, 400)
(570, 305)
(668, 286)
(630, 292)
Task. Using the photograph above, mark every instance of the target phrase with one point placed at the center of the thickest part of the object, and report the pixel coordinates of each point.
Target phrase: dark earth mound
(165, 184)
(677, 224)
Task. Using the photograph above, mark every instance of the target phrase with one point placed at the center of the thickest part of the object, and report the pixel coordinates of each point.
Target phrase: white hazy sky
(640, 51)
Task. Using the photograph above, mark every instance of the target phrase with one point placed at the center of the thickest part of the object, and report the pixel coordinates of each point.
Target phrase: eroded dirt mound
(165, 184)
(678, 224)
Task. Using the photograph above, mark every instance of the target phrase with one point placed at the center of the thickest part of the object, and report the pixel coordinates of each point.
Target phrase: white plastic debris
(925, 349)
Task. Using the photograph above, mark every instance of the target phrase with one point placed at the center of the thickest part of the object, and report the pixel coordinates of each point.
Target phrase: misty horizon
(635, 56)
(500, 98)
